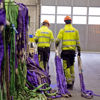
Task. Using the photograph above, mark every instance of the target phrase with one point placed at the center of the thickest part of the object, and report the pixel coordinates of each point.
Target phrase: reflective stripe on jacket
(69, 36)
(44, 36)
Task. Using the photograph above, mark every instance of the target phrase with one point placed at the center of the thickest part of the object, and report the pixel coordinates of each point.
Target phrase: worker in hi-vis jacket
(43, 37)
(70, 41)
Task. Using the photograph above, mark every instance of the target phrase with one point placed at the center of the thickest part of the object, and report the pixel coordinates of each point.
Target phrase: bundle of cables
(84, 93)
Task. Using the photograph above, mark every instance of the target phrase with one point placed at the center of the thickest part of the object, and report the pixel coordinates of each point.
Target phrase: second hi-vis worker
(70, 40)
(43, 37)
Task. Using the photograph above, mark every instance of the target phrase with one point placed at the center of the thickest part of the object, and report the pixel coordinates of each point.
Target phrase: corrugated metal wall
(89, 34)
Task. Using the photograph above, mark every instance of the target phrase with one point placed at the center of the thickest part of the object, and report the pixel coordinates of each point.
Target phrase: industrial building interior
(85, 15)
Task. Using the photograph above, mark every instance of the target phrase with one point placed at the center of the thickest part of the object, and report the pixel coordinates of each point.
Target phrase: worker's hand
(79, 50)
(56, 44)
(79, 54)
(36, 41)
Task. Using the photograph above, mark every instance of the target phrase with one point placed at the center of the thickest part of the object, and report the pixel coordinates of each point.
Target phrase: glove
(79, 50)
(79, 54)
(36, 41)
(57, 43)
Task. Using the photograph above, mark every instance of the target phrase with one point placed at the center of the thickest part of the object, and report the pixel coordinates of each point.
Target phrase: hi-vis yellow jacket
(44, 36)
(69, 36)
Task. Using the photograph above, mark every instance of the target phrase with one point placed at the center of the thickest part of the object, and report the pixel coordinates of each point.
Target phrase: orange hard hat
(67, 18)
(46, 21)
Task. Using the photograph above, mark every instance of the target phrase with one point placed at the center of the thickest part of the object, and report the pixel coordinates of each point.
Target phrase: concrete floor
(91, 71)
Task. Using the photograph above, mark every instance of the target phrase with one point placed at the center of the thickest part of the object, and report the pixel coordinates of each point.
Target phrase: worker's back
(44, 35)
(69, 36)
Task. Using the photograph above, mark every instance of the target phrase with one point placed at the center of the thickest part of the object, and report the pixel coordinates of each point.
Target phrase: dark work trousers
(68, 57)
(43, 53)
